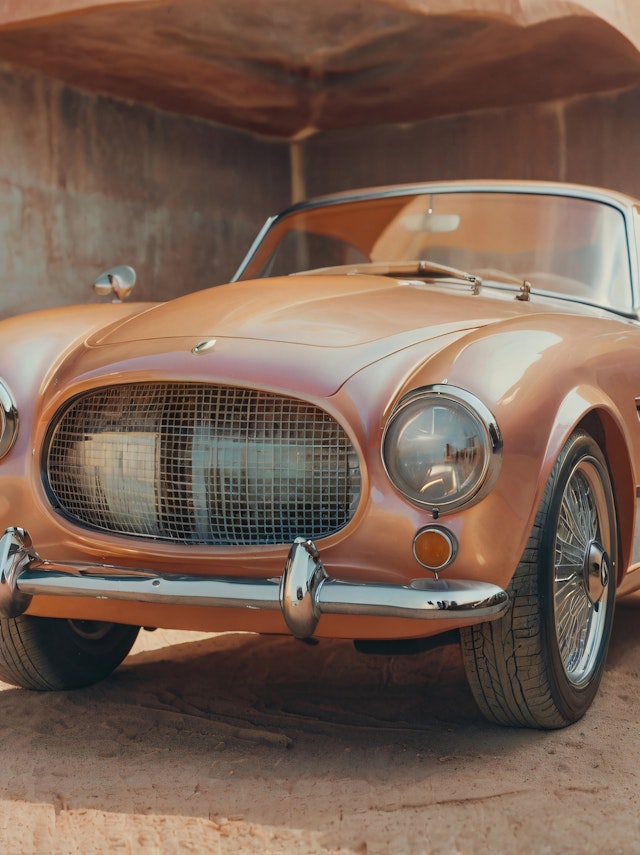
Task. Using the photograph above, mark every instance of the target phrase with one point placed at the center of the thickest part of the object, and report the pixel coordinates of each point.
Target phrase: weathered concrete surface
(87, 183)
(286, 68)
(586, 140)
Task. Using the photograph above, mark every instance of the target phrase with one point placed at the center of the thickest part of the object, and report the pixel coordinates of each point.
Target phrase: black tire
(540, 665)
(54, 654)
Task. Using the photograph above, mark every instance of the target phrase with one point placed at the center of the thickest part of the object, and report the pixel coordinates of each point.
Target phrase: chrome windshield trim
(256, 243)
(619, 201)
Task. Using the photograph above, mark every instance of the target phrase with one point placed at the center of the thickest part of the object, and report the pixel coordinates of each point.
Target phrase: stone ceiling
(288, 68)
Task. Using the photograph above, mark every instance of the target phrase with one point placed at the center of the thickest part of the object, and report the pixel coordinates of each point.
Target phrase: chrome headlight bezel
(8, 420)
(486, 454)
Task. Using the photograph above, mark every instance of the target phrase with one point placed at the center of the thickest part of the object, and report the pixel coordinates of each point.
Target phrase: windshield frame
(622, 204)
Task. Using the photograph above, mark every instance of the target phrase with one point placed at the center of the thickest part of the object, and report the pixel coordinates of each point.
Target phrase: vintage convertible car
(414, 413)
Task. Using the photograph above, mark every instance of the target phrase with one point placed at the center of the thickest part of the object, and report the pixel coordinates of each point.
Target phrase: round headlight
(8, 420)
(442, 448)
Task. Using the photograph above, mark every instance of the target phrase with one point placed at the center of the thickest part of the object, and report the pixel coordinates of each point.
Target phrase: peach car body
(362, 354)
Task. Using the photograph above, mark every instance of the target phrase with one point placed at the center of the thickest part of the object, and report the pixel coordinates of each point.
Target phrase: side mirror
(118, 281)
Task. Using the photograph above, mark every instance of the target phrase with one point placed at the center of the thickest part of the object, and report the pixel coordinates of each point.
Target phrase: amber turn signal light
(435, 548)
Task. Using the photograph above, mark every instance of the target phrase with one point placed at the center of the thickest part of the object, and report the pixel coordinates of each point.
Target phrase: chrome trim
(493, 439)
(254, 246)
(8, 420)
(16, 553)
(303, 593)
(204, 346)
(535, 188)
(300, 587)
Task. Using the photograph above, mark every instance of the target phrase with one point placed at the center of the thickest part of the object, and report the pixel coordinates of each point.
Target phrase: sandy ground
(236, 744)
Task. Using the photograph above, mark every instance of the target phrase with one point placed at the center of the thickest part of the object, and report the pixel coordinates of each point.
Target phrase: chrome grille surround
(201, 464)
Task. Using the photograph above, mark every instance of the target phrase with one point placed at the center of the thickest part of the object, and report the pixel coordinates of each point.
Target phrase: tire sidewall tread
(513, 664)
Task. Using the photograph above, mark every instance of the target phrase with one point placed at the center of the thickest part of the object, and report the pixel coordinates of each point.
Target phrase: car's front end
(165, 477)
(356, 452)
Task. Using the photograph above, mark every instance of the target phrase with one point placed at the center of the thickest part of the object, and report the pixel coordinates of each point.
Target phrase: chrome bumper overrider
(303, 593)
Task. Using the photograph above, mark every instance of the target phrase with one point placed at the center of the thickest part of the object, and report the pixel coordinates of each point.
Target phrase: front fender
(588, 407)
(542, 378)
(33, 345)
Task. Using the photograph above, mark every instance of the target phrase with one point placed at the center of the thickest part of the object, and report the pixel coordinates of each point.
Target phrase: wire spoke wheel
(540, 664)
(581, 564)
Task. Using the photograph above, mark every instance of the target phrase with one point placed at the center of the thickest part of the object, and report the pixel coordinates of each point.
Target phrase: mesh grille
(202, 464)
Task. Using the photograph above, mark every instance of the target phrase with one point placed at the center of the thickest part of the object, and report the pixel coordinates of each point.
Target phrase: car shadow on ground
(284, 682)
(273, 730)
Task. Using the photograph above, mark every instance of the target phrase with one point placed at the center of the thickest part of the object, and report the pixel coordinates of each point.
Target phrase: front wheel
(540, 665)
(53, 654)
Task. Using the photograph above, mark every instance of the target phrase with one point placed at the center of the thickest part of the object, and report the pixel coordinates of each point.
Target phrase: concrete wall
(588, 140)
(88, 182)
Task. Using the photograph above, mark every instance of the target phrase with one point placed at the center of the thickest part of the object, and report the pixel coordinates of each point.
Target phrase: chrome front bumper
(303, 592)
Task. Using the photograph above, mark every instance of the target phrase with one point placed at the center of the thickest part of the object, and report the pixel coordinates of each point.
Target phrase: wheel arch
(608, 433)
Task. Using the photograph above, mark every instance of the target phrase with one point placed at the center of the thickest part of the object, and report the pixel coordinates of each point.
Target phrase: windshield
(562, 245)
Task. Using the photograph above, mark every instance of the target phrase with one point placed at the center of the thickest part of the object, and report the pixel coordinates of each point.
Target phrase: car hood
(305, 332)
(320, 311)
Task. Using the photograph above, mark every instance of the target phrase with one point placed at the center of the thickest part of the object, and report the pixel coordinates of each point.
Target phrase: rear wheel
(540, 665)
(53, 654)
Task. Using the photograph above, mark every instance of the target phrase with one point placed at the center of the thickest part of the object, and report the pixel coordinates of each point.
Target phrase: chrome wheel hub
(595, 572)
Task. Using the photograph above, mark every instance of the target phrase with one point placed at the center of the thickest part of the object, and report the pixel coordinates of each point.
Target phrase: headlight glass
(8, 420)
(442, 448)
